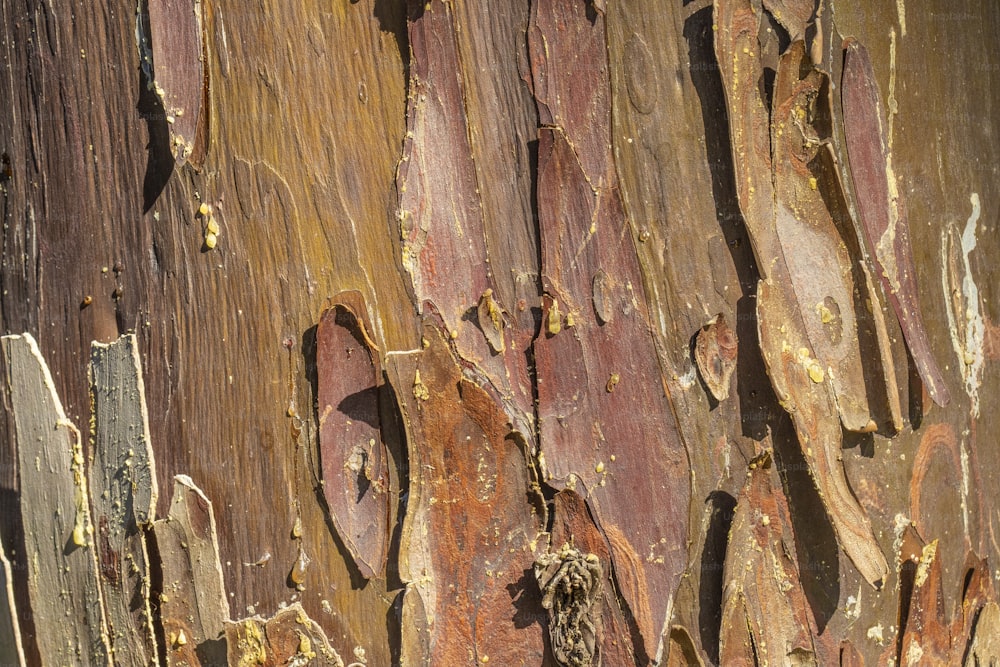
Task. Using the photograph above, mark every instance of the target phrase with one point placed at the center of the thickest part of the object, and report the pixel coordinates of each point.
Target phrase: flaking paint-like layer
(965, 321)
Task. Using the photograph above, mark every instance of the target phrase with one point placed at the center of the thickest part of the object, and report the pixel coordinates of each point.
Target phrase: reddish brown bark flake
(174, 65)
(882, 209)
(353, 455)
(441, 215)
(606, 425)
(716, 347)
(765, 618)
(468, 566)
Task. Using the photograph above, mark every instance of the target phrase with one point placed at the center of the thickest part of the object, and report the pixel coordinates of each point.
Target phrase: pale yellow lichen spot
(816, 373)
(923, 566)
(211, 240)
(571, 482)
(420, 391)
(251, 645)
(81, 523)
(825, 314)
(812, 183)
(599, 468)
(813, 368)
(305, 647)
(554, 324)
(204, 209)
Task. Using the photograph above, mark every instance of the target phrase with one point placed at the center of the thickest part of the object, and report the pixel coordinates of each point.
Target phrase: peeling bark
(172, 50)
(882, 208)
(765, 618)
(66, 604)
(192, 603)
(465, 459)
(715, 352)
(122, 496)
(354, 459)
(798, 346)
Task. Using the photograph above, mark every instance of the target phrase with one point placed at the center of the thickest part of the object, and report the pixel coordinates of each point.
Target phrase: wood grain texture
(466, 565)
(123, 496)
(66, 604)
(192, 601)
(309, 110)
(306, 210)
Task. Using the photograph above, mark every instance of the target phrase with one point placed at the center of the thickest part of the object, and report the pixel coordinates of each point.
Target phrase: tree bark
(553, 332)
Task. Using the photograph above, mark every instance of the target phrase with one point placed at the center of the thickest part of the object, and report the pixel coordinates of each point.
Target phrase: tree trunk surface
(545, 332)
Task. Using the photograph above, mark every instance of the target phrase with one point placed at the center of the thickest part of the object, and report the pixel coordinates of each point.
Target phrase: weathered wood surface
(123, 496)
(11, 650)
(65, 599)
(307, 107)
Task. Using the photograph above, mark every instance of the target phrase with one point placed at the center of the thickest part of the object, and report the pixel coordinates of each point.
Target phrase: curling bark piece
(882, 209)
(353, 455)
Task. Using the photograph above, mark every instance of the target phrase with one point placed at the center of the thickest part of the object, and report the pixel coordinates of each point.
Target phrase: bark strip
(65, 596)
